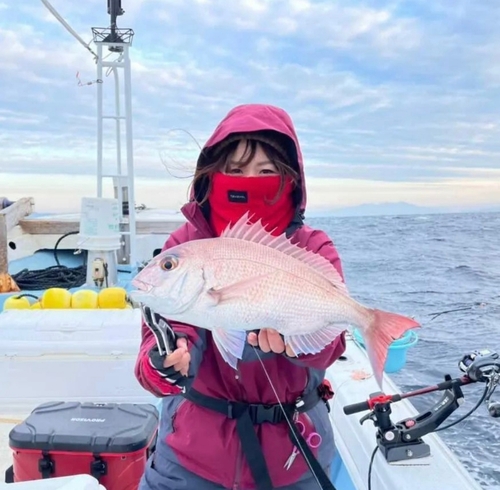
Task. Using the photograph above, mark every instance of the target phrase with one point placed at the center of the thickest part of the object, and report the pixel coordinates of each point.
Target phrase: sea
(422, 265)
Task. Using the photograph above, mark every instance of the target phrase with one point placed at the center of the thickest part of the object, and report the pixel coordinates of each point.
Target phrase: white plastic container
(99, 224)
(68, 355)
(78, 482)
(100, 235)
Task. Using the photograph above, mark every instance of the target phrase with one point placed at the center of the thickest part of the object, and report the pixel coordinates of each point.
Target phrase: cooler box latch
(98, 468)
(46, 465)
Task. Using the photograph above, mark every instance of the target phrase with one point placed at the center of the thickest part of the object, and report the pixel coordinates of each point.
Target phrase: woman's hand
(180, 358)
(270, 340)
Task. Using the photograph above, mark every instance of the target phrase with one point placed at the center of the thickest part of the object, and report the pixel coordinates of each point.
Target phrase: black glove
(170, 374)
(166, 343)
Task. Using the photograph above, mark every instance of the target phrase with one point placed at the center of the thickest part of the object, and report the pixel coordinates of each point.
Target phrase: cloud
(387, 92)
(322, 23)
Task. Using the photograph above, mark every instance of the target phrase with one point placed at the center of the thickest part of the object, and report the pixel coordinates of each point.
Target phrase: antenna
(54, 12)
(113, 35)
(114, 10)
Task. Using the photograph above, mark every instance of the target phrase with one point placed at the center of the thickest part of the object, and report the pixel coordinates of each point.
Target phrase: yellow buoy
(114, 297)
(16, 303)
(56, 298)
(84, 298)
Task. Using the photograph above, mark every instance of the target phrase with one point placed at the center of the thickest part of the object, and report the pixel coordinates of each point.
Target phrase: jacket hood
(266, 119)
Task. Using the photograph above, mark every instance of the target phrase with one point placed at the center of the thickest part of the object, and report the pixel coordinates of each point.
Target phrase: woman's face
(258, 166)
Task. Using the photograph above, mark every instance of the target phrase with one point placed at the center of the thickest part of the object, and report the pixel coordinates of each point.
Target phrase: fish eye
(169, 263)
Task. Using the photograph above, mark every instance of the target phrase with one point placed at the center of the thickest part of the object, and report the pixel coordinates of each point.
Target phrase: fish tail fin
(384, 329)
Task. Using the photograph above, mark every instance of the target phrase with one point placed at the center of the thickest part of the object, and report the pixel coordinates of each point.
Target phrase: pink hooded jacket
(205, 442)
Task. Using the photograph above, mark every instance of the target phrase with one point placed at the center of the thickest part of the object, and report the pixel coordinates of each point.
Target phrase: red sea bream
(247, 279)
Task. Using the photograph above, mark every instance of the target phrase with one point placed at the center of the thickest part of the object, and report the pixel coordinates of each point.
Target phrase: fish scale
(248, 279)
(237, 250)
(291, 298)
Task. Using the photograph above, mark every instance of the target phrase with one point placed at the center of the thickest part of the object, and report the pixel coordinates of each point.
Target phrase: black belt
(248, 414)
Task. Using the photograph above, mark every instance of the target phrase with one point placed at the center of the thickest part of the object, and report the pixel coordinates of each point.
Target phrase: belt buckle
(264, 413)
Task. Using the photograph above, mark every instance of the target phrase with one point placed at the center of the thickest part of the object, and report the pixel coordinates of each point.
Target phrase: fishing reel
(403, 440)
(484, 366)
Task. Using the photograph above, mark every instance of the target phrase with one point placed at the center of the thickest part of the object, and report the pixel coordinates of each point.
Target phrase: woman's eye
(235, 170)
(268, 171)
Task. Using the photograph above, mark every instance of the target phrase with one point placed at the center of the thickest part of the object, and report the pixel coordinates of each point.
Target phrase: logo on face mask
(237, 196)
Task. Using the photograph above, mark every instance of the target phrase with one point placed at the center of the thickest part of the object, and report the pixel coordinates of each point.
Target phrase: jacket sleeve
(148, 377)
(320, 243)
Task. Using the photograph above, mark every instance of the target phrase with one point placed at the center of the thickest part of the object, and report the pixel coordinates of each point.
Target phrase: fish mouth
(141, 286)
(173, 305)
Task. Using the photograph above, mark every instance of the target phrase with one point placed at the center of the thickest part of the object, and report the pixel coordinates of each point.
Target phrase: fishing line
(470, 412)
(286, 417)
(477, 304)
(370, 467)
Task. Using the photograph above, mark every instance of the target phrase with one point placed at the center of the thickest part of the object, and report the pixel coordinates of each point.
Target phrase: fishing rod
(402, 441)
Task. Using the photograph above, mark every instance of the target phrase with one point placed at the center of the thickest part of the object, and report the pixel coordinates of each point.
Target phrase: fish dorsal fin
(256, 233)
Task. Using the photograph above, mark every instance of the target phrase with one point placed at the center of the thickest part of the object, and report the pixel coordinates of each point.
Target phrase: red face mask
(232, 196)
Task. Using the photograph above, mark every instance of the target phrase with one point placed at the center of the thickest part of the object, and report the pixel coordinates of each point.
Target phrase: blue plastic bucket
(339, 475)
(396, 357)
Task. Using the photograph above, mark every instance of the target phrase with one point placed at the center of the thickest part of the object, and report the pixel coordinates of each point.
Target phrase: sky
(392, 100)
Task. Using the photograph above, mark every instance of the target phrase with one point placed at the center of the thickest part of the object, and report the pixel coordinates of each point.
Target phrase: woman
(252, 163)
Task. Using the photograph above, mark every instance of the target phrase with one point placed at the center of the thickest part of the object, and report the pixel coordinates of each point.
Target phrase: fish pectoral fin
(230, 343)
(235, 290)
(312, 343)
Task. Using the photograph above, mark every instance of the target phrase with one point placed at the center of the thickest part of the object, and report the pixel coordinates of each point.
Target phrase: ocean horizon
(62, 193)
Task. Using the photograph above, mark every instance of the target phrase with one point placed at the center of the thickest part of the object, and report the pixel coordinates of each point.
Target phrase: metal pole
(118, 138)
(118, 123)
(130, 155)
(99, 120)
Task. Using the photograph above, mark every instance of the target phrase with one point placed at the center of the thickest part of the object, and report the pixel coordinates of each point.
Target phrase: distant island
(398, 208)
